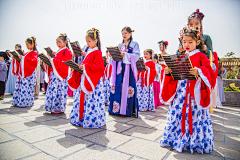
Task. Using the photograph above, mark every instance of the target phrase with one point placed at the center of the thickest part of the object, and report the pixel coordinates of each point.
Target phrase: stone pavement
(31, 133)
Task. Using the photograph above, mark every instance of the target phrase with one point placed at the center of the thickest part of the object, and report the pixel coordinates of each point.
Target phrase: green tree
(230, 55)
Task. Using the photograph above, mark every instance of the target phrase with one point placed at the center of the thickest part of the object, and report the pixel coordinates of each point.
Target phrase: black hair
(164, 43)
(94, 34)
(64, 38)
(199, 16)
(129, 30)
(8, 53)
(194, 34)
(150, 51)
(32, 40)
(19, 46)
(4, 55)
(155, 56)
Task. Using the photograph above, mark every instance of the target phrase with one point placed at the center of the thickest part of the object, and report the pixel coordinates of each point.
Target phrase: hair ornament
(190, 29)
(95, 32)
(63, 34)
(163, 42)
(200, 14)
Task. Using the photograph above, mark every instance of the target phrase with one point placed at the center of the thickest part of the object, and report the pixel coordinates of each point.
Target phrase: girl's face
(155, 60)
(194, 22)
(162, 47)
(29, 46)
(147, 55)
(126, 35)
(16, 48)
(61, 43)
(189, 44)
(91, 43)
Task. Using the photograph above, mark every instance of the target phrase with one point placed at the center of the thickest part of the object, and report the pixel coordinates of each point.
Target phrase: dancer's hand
(81, 67)
(194, 71)
(167, 70)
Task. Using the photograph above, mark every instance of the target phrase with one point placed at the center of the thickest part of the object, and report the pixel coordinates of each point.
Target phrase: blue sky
(152, 20)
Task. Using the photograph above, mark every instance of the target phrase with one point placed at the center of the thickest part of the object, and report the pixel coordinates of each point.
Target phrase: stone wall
(232, 98)
(226, 82)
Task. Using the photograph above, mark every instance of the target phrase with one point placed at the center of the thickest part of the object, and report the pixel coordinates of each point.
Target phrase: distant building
(228, 63)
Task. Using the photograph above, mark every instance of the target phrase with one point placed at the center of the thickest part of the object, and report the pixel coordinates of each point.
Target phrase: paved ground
(30, 133)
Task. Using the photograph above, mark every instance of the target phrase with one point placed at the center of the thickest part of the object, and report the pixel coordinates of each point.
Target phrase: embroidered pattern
(56, 96)
(120, 70)
(145, 97)
(130, 92)
(23, 95)
(115, 107)
(202, 139)
(113, 89)
(94, 115)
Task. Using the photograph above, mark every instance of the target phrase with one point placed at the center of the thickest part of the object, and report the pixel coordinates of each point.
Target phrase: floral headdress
(189, 30)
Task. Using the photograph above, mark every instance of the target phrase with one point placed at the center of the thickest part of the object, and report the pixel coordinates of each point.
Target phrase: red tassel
(190, 117)
(184, 110)
(142, 80)
(81, 105)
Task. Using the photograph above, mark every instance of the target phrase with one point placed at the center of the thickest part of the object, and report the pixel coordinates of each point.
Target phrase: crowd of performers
(122, 87)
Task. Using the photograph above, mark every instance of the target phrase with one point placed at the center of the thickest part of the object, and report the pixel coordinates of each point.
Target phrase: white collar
(148, 60)
(61, 49)
(193, 52)
(91, 50)
(27, 52)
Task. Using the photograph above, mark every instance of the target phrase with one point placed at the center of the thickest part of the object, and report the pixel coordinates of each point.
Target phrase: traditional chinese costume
(89, 102)
(23, 95)
(189, 125)
(56, 96)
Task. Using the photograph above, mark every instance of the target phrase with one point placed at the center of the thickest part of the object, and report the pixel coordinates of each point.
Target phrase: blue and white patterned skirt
(145, 97)
(56, 96)
(23, 95)
(107, 88)
(202, 138)
(94, 115)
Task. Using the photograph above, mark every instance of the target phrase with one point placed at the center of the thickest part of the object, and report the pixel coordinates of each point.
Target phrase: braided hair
(64, 38)
(199, 15)
(129, 30)
(32, 40)
(94, 34)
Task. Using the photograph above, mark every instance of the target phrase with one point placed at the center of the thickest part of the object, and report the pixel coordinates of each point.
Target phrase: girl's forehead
(146, 52)
(59, 39)
(88, 38)
(194, 20)
(187, 38)
(124, 31)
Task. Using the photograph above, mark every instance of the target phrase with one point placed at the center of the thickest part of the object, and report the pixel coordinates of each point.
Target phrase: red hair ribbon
(166, 42)
(200, 14)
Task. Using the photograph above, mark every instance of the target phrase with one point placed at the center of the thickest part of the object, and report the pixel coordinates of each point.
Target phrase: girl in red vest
(145, 83)
(89, 101)
(189, 125)
(56, 96)
(23, 95)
